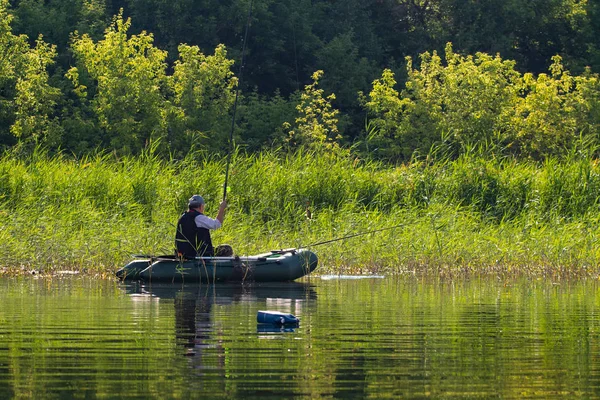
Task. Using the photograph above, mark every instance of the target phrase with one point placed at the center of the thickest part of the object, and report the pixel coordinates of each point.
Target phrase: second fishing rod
(237, 95)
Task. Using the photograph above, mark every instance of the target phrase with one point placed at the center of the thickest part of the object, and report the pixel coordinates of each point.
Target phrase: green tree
(592, 31)
(316, 125)
(11, 49)
(262, 120)
(27, 101)
(463, 102)
(347, 72)
(391, 118)
(126, 85)
(468, 97)
(481, 102)
(555, 111)
(56, 19)
(122, 85)
(204, 91)
(35, 99)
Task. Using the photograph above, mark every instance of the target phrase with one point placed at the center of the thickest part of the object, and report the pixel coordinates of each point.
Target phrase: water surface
(358, 338)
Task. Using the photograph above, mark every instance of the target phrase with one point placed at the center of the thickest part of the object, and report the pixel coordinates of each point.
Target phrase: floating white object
(331, 277)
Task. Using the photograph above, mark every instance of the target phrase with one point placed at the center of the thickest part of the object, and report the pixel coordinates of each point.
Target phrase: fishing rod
(354, 235)
(237, 93)
(310, 245)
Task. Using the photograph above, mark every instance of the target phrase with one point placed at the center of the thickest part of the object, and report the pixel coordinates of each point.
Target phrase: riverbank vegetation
(475, 160)
(466, 215)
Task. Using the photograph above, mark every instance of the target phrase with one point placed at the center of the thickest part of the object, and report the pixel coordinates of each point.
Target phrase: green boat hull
(276, 266)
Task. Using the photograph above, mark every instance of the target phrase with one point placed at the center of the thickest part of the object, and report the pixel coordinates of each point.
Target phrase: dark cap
(195, 201)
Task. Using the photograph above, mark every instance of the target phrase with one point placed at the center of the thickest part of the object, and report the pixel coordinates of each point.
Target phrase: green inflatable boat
(275, 266)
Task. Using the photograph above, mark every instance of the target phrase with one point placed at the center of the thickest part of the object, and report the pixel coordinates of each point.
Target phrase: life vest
(191, 241)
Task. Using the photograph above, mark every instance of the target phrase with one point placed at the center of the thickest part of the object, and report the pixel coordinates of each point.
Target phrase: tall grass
(468, 215)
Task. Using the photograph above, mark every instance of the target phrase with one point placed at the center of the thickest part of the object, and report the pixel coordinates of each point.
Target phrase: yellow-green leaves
(123, 80)
(26, 98)
(203, 81)
(35, 98)
(481, 102)
(10, 45)
(316, 125)
(203, 88)
(129, 73)
(555, 110)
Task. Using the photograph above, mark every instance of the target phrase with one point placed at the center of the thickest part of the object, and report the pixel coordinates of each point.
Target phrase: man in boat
(192, 238)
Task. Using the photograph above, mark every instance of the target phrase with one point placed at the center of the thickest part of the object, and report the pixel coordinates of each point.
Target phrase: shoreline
(460, 217)
(429, 272)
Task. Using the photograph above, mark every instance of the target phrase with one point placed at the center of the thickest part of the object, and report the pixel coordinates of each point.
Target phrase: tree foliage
(149, 74)
(127, 74)
(482, 101)
(555, 111)
(122, 79)
(203, 88)
(263, 120)
(316, 124)
(27, 100)
(35, 99)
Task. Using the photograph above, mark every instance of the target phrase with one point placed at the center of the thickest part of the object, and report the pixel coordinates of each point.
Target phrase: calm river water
(77, 337)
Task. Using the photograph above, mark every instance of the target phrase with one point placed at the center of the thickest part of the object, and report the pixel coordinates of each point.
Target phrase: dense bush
(481, 102)
(127, 84)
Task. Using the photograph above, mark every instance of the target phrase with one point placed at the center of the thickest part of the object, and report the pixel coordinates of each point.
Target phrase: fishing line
(325, 241)
(237, 93)
(353, 235)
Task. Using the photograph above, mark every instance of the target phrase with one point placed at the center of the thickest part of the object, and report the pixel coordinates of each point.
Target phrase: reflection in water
(358, 338)
(194, 325)
(267, 328)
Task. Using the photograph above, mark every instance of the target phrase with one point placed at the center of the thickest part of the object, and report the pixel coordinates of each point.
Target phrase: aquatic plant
(471, 214)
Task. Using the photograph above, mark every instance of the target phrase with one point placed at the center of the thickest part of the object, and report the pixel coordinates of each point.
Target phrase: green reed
(469, 215)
